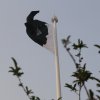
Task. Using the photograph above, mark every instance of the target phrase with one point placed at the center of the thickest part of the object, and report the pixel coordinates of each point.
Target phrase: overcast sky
(78, 18)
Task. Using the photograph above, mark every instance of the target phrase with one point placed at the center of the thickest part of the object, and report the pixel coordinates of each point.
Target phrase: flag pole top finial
(55, 19)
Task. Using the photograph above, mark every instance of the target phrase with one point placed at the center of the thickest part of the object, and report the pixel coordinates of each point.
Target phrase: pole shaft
(58, 84)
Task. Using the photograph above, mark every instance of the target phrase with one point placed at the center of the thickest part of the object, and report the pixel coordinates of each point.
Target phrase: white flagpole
(58, 84)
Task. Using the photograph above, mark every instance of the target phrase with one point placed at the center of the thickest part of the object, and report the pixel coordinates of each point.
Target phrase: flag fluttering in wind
(45, 35)
(39, 31)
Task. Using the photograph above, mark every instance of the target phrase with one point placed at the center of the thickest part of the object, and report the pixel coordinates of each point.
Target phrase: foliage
(16, 71)
(98, 46)
(81, 75)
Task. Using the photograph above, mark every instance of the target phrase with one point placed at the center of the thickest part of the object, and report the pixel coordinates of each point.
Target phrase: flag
(39, 31)
(42, 33)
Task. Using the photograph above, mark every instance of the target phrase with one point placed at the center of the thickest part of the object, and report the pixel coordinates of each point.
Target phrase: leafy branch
(16, 71)
(81, 75)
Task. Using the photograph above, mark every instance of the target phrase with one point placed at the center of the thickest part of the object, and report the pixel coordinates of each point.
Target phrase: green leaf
(79, 45)
(81, 75)
(96, 45)
(72, 88)
(66, 42)
(15, 63)
(28, 91)
(16, 70)
(91, 94)
(98, 85)
(98, 91)
(34, 98)
(94, 78)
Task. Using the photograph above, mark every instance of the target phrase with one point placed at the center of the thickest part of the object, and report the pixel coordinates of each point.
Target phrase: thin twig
(80, 93)
(86, 91)
(21, 84)
(71, 56)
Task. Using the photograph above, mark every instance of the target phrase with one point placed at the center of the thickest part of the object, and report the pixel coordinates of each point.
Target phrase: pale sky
(78, 18)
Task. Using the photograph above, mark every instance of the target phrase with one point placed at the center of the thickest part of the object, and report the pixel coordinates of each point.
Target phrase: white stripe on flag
(50, 41)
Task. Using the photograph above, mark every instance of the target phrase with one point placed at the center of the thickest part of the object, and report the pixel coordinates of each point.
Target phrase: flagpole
(58, 84)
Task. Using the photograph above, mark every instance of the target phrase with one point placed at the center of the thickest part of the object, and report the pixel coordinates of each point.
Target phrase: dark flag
(39, 31)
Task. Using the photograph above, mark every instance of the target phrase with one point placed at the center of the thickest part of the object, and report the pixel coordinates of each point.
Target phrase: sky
(78, 18)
